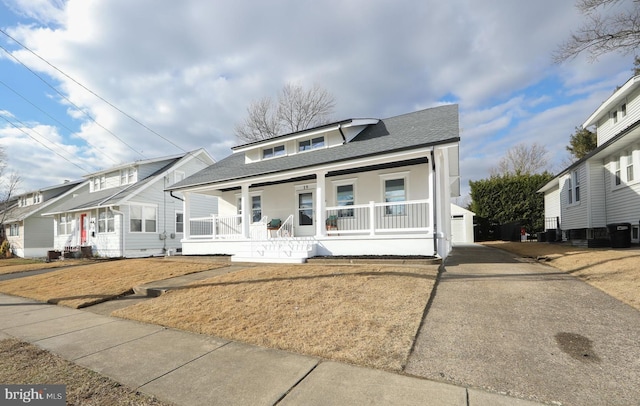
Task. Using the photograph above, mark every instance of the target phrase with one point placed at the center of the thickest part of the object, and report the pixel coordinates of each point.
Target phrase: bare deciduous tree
(9, 183)
(610, 26)
(295, 110)
(522, 159)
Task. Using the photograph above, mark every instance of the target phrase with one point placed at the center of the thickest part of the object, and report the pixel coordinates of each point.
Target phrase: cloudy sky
(188, 69)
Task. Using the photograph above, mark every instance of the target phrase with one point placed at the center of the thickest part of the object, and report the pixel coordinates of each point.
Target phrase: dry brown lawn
(362, 314)
(26, 364)
(14, 265)
(614, 271)
(84, 285)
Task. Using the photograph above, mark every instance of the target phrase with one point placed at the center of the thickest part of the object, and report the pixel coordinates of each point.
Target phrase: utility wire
(94, 93)
(57, 121)
(67, 99)
(45, 138)
(44, 145)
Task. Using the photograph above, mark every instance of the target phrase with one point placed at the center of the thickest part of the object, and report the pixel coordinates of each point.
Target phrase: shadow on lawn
(306, 277)
(96, 299)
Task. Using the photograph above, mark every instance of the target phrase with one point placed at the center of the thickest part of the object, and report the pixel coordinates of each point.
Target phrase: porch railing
(373, 218)
(286, 229)
(216, 227)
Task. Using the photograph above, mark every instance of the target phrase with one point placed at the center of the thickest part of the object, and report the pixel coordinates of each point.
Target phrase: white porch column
(321, 211)
(246, 211)
(186, 215)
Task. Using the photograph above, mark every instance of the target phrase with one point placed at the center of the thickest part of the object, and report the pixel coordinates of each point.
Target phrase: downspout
(122, 227)
(435, 208)
(342, 133)
(175, 197)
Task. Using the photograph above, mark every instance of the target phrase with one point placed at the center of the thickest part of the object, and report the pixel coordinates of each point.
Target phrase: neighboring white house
(124, 211)
(603, 187)
(353, 187)
(29, 234)
(461, 225)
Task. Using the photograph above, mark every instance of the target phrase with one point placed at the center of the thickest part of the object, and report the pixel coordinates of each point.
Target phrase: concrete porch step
(278, 251)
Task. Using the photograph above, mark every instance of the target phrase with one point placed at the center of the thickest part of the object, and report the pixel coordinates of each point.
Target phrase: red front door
(83, 229)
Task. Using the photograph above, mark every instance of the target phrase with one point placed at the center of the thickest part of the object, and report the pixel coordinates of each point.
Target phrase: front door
(305, 213)
(83, 229)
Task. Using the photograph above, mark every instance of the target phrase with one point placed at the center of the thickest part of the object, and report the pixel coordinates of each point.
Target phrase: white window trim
(344, 182)
(273, 151)
(252, 194)
(106, 222)
(574, 180)
(391, 176)
(311, 147)
(144, 231)
(637, 231)
(396, 175)
(622, 162)
(175, 219)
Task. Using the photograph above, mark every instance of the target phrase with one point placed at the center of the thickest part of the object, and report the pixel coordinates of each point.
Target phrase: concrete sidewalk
(191, 369)
(526, 329)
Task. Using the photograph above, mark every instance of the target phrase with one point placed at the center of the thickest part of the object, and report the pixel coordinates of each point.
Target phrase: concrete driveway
(509, 325)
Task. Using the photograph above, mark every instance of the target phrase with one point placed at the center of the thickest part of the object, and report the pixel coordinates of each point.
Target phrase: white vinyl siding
(623, 202)
(552, 203)
(607, 129)
(574, 214)
(594, 194)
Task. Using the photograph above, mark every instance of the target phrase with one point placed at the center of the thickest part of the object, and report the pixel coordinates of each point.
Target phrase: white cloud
(188, 69)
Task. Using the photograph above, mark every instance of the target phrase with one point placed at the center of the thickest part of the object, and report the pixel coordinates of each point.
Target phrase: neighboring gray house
(602, 188)
(29, 234)
(353, 187)
(124, 211)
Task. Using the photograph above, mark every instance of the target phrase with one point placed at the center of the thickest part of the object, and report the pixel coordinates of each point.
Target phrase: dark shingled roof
(422, 128)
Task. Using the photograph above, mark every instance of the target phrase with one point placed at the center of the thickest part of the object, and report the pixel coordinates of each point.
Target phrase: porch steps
(280, 250)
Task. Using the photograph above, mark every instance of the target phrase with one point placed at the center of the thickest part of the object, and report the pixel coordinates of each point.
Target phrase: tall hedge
(510, 198)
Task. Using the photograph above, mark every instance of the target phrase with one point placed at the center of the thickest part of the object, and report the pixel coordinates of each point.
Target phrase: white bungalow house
(29, 234)
(603, 188)
(353, 187)
(124, 211)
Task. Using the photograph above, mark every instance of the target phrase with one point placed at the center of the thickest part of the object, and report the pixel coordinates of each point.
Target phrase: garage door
(458, 229)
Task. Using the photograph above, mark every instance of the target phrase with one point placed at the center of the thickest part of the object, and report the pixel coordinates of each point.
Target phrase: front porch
(402, 228)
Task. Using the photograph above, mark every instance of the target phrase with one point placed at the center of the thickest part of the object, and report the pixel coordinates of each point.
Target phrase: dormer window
(311, 144)
(127, 176)
(272, 152)
(618, 113)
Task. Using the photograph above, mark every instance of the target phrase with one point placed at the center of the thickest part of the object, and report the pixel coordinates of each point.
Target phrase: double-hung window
(573, 187)
(394, 192)
(106, 222)
(179, 222)
(629, 164)
(256, 207)
(143, 219)
(344, 197)
(617, 178)
(64, 224)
